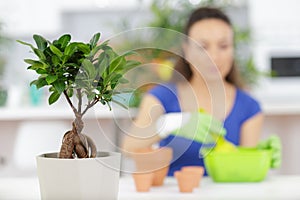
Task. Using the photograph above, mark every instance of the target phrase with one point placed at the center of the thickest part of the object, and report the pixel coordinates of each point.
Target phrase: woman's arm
(251, 131)
(143, 131)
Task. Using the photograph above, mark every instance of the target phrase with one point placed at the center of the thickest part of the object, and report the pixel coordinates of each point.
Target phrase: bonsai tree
(88, 71)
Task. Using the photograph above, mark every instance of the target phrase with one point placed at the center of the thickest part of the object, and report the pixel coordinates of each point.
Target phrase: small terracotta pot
(155, 161)
(197, 170)
(143, 181)
(159, 176)
(185, 180)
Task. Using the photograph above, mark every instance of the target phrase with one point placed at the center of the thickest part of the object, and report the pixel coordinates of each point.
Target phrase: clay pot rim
(184, 173)
(195, 169)
(142, 174)
(151, 150)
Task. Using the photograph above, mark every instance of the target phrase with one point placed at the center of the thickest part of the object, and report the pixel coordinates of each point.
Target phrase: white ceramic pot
(89, 178)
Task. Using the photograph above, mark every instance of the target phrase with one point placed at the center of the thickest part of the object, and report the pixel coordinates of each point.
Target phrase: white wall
(24, 17)
(50, 18)
(276, 29)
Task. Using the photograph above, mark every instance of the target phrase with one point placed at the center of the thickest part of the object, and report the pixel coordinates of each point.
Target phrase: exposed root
(75, 142)
(67, 146)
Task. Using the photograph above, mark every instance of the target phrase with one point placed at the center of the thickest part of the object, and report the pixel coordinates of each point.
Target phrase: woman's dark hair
(183, 67)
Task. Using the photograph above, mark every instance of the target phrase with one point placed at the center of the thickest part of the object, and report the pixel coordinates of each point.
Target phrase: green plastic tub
(244, 165)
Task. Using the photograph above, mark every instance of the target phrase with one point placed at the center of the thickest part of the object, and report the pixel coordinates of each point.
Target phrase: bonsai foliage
(88, 71)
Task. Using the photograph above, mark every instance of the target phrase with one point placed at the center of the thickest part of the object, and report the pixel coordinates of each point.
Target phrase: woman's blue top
(185, 151)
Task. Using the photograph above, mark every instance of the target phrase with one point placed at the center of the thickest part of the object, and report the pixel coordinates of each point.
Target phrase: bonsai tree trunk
(76, 144)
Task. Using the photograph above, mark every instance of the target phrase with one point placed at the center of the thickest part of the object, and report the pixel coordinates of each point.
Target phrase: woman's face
(216, 38)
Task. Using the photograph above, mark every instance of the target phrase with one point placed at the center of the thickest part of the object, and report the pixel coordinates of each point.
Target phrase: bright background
(275, 27)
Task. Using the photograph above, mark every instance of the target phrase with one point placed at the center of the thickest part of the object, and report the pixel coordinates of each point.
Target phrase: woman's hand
(197, 126)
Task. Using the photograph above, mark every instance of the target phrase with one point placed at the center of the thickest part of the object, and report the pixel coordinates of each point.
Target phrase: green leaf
(107, 48)
(89, 68)
(108, 104)
(124, 90)
(80, 83)
(64, 40)
(91, 96)
(102, 101)
(27, 44)
(51, 89)
(30, 61)
(40, 82)
(117, 63)
(53, 97)
(108, 93)
(40, 54)
(99, 47)
(55, 60)
(83, 47)
(65, 58)
(33, 82)
(129, 53)
(113, 85)
(41, 71)
(112, 55)
(119, 103)
(94, 40)
(35, 65)
(116, 77)
(51, 78)
(40, 42)
(103, 63)
(70, 92)
(70, 49)
(56, 51)
(131, 64)
(59, 86)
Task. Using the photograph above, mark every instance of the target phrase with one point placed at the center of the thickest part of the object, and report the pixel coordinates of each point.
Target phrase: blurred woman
(212, 84)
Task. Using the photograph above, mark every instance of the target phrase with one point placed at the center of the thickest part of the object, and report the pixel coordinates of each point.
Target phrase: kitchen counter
(273, 187)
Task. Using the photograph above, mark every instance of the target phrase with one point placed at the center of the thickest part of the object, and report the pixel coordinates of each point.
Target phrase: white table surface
(273, 187)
